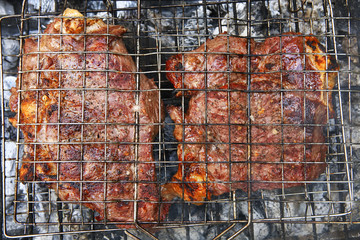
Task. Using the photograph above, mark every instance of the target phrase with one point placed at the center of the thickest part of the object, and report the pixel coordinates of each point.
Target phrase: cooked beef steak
(274, 124)
(77, 113)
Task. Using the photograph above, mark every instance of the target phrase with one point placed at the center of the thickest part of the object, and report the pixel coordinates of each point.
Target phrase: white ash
(77, 214)
(194, 27)
(54, 237)
(262, 230)
(45, 212)
(350, 75)
(228, 22)
(6, 8)
(351, 47)
(45, 5)
(200, 233)
(196, 18)
(10, 51)
(125, 14)
(9, 82)
(311, 16)
(185, 23)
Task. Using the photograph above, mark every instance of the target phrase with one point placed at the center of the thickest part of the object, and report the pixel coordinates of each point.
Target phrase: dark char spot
(333, 64)
(311, 44)
(54, 107)
(322, 48)
(269, 65)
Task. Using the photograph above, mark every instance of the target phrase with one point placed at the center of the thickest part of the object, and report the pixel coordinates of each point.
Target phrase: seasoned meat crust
(274, 124)
(77, 114)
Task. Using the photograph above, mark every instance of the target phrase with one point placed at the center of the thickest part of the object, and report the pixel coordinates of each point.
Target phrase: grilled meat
(76, 107)
(270, 120)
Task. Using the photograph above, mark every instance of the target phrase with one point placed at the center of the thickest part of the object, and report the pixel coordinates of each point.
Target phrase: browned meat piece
(274, 125)
(77, 113)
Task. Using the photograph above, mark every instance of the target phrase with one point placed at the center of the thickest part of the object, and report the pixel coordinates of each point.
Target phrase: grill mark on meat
(291, 152)
(83, 147)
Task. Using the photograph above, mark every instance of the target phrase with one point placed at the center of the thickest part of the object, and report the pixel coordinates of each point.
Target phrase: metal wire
(150, 59)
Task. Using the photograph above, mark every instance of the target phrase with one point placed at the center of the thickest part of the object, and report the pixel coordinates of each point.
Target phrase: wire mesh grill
(158, 30)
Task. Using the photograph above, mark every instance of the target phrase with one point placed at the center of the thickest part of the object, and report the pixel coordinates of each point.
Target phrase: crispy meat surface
(76, 107)
(270, 120)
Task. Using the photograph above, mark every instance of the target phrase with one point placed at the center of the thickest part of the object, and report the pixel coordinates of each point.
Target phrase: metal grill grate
(158, 30)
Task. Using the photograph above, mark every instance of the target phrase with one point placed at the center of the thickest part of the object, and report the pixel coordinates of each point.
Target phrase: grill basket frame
(147, 44)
